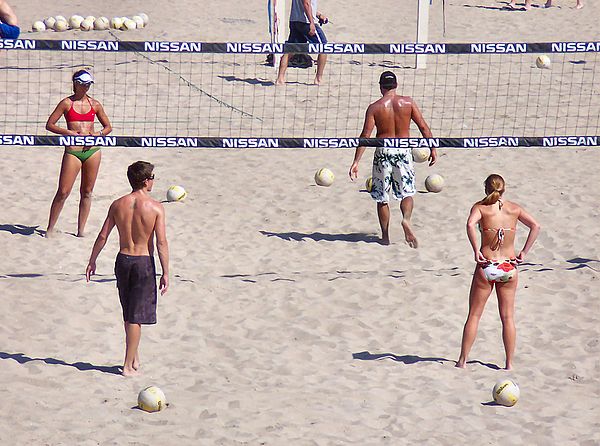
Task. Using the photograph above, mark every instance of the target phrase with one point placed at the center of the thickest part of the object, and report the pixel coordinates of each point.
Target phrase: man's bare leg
(579, 4)
(321, 61)
(527, 5)
(548, 4)
(133, 333)
(283, 64)
(406, 206)
(383, 212)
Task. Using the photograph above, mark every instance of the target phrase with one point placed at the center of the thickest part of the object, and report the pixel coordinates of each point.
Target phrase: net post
(277, 21)
(422, 30)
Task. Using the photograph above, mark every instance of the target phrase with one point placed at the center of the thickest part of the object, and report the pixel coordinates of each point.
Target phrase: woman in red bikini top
(496, 262)
(79, 111)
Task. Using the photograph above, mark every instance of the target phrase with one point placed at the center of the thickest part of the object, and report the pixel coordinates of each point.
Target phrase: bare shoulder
(511, 206)
(95, 102)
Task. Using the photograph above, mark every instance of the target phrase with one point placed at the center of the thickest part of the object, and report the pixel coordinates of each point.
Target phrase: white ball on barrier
(116, 23)
(75, 21)
(129, 25)
(87, 25)
(61, 18)
(38, 26)
(90, 18)
(144, 17)
(49, 22)
(61, 25)
(101, 23)
(139, 22)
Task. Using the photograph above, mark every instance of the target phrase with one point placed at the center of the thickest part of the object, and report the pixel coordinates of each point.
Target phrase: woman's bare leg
(478, 296)
(506, 305)
(69, 170)
(89, 173)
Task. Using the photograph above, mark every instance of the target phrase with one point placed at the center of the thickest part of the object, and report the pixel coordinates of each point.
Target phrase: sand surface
(286, 321)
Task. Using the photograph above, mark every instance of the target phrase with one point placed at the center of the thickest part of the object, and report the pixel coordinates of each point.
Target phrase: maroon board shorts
(136, 281)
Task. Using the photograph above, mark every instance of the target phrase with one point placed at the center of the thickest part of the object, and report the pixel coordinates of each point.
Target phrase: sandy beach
(286, 321)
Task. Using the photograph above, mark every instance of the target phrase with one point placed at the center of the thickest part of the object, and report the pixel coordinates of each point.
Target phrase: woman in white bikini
(496, 263)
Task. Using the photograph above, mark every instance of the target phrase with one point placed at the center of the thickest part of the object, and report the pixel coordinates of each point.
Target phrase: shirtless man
(138, 218)
(392, 167)
(9, 26)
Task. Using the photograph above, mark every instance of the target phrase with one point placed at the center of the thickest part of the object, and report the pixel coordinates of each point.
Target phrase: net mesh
(233, 95)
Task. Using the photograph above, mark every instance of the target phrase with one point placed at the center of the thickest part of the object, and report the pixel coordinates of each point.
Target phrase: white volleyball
(139, 22)
(87, 25)
(152, 399)
(61, 25)
(75, 21)
(543, 61)
(49, 22)
(101, 23)
(324, 177)
(129, 25)
(59, 18)
(144, 17)
(506, 392)
(116, 23)
(369, 184)
(420, 154)
(434, 183)
(90, 18)
(38, 26)
(176, 193)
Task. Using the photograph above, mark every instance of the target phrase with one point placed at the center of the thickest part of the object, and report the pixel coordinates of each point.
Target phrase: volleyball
(38, 26)
(139, 22)
(176, 193)
(506, 392)
(324, 177)
(61, 25)
(60, 18)
(420, 154)
(87, 25)
(434, 183)
(543, 62)
(49, 22)
(75, 21)
(116, 23)
(129, 24)
(101, 23)
(144, 17)
(90, 18)
(369, 184)
(152, 399)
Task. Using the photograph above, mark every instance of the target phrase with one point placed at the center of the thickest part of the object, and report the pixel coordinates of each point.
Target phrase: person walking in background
(305, 27)
(496, 263)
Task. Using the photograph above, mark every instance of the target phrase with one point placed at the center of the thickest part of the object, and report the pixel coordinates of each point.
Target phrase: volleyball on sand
(38, 26)
(420, 154)
(324, 177)
(506, 392)
(542, 61)
(152, 399)
(434, 183)
(176, 193)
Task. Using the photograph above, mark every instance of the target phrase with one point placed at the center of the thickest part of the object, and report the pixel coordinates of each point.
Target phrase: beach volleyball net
(226, 90)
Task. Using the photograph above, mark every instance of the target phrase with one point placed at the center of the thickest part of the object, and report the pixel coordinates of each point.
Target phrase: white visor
(84, 78)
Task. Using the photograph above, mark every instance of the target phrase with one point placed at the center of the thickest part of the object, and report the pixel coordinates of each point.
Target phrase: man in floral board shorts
(392, 166)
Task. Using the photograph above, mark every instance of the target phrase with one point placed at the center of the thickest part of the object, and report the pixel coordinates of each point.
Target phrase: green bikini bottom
(84, 154)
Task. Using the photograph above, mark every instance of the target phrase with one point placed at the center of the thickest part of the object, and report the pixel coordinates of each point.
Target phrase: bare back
(135, 216)
(494, 219)
(392, 114)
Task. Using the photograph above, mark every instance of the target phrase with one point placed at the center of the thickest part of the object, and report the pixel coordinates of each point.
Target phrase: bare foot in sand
(130, 372)
(461, 364)
(508, 366)
(409, 235)
(136, 362)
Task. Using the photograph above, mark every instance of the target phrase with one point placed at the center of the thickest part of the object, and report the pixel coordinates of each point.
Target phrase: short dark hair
(388, 80)
(139, 172)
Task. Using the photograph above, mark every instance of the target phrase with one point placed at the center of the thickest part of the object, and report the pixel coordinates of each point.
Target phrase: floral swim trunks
(392, 170)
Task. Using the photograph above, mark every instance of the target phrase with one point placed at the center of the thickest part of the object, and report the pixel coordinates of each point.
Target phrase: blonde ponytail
(494, 188)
